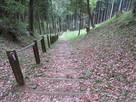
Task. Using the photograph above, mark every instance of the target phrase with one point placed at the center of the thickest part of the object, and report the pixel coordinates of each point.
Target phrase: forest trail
(62, 82)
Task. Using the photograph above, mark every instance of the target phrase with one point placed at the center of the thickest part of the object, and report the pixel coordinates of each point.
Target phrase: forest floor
(98, 67)
(60, 80)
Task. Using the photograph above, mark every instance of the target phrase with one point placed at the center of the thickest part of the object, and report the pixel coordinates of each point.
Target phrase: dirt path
(61, 82)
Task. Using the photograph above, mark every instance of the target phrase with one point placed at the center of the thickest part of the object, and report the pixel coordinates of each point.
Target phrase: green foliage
(42, 8)
(74, 34)
(93, 3)
(12, 11)
(98, 80)
(21, 27)
(76, 5)
(13, 6)
(14, 26)
(59, 7)
(124, 92)
(99, 90)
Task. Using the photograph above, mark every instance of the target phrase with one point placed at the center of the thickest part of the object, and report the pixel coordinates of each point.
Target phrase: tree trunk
(90, 15)
(127, 4)
(44, 27)
(60, 28)
(79, 22)
(39, 21)
(75, 22)
(52, 16)
(47, 28)
(55, 24)
(79, 26)
(96, 13)
(105, 11)
(22, 17)
(120, 5)
(112, 9)
(134, 8)
(31, 29)
(40, 26)
(67, 22)
(82, 20)
(1, 10)
(128, 8)
(108, 11)
(50, 29)
(99, 14)
(102, 16)
(88, 10)
(131, 4)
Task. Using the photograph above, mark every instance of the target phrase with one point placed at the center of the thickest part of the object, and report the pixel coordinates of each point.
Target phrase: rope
(28, 46)
(12, 54)
(39, 40)
(25, 47)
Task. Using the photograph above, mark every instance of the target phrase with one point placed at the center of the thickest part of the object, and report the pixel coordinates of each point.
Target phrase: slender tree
(120, 4)
(39, 21)
(134, 8)
(112, 8)
(80, 21)
(90, 15)
(52, 17)
(1, 10)
(31, 29)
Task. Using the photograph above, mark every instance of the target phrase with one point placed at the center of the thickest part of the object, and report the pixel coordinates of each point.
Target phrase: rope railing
(14, 61)
(26, 47)
(39, 40)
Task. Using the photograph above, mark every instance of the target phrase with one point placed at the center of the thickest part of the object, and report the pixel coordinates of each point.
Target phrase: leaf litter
(106, 66)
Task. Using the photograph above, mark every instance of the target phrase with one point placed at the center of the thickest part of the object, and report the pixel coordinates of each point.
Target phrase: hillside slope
(27, 61)
(108, 57)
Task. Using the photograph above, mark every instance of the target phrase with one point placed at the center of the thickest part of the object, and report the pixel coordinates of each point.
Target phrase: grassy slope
(73, 34)
(108, 55)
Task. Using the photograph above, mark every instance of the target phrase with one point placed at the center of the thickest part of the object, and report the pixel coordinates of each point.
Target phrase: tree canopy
(32, 17)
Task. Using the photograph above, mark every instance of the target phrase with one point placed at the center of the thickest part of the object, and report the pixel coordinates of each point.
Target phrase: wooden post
(57, 36)
(87, 29)
(48, 41)
(14, 62)
(43, 45)
(36, 52)
(51, 39)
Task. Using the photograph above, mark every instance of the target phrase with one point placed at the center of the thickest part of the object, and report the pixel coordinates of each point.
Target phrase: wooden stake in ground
(43, 45)
(14, 62)
(48, 41)
(36, 52)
